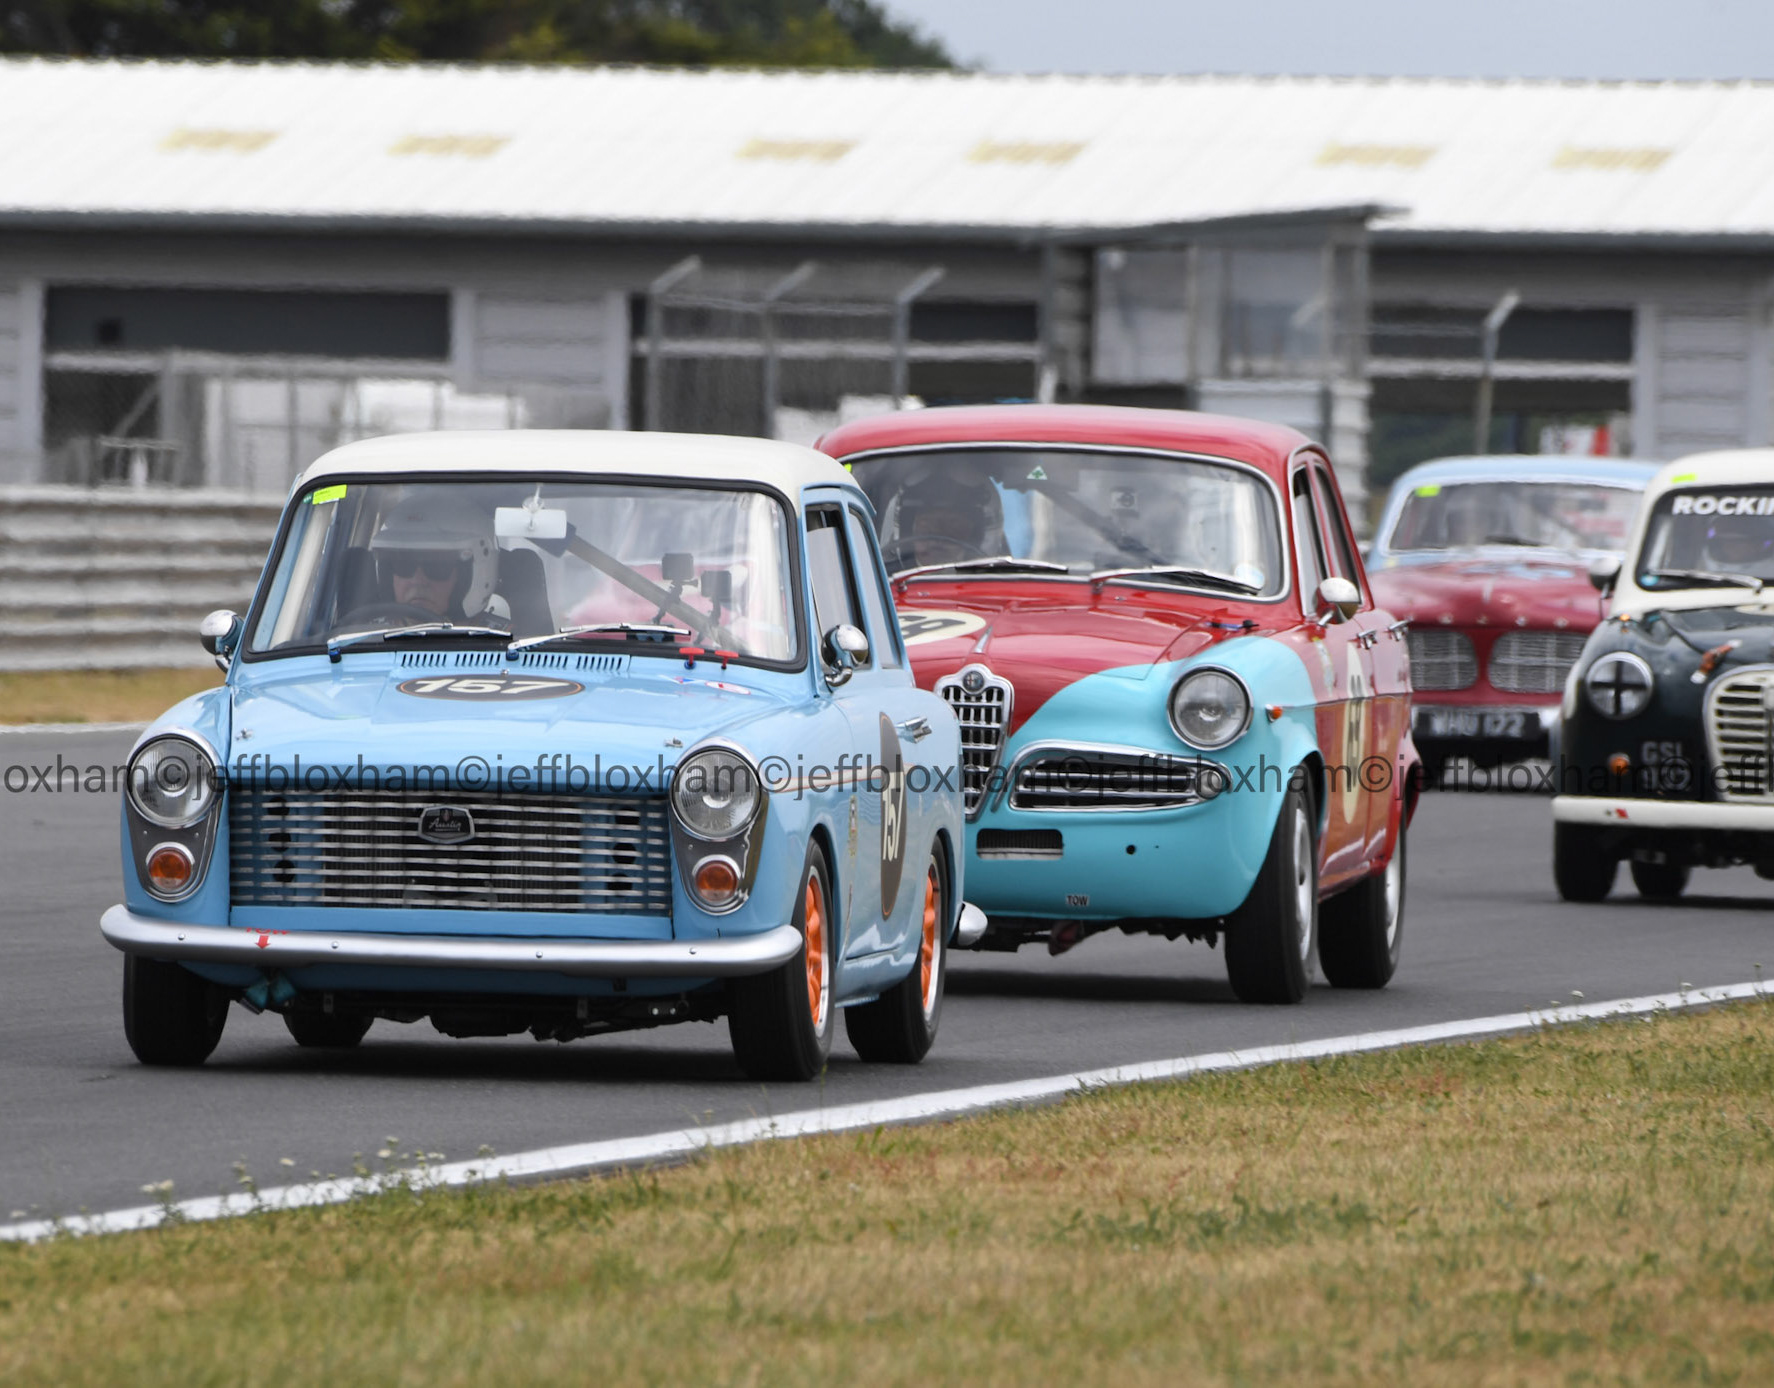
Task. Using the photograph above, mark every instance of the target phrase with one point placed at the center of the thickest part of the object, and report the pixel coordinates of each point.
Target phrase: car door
(1345, 677)
(870, 796)
(1376, 727)
(906, 721)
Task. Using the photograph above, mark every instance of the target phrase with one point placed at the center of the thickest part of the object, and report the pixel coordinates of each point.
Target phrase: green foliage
(699, 33)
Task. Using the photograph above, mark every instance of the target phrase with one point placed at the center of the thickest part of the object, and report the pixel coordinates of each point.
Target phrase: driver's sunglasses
(437, 566)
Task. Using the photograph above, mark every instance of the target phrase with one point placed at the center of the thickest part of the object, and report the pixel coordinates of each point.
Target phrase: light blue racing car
(562, 733)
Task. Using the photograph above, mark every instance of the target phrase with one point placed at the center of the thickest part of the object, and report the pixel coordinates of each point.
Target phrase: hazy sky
(1450, 38)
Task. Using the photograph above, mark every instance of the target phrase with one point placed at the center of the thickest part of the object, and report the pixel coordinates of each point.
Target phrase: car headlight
(1209, 708)
(1618, 685)
(715, 794)
(172, 782)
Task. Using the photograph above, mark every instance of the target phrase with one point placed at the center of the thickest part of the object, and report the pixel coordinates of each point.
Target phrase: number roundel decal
(893, 825)
(490, 688)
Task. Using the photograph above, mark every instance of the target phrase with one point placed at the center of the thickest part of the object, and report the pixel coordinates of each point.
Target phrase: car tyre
(899, 1027)
(781, 1022)
(1582, 868)
(327, 1031)
(170, 1015)
(1271, 940)
(1660, 881)
(1360, 931)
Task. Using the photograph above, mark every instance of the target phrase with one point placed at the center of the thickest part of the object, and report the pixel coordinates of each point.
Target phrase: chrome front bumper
(1618, 812)
(271, 949)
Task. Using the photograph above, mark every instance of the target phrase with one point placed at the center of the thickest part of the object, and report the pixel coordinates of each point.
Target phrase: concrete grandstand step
(113, 579)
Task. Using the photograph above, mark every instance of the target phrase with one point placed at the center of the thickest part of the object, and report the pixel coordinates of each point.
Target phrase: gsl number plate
(493, 688)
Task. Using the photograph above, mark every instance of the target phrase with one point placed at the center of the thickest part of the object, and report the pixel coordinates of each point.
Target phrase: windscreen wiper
(337, 645)
(1007, 562)
(1202, 578)
(596, 629)
(1715, 578)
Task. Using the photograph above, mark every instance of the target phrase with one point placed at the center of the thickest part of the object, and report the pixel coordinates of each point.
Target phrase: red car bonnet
(1495, 592)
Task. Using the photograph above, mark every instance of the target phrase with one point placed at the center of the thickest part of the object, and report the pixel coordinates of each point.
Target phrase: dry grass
(97, 696)
(1585, 1206)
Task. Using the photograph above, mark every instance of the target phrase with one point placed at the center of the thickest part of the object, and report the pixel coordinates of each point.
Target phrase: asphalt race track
(83, 1127)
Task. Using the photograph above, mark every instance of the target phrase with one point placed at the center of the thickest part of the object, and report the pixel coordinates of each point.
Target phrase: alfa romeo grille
(1534, 662)
(609, 854)
(981, 701)
(1737, 725)
(1094, 779)
(1442, 659)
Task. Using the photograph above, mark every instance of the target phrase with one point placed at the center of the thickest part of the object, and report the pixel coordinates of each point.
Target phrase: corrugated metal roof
(879, 150)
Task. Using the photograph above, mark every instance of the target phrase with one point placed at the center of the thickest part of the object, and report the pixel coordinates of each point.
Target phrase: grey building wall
(21, 339)
(1702, 369)
(545, 317)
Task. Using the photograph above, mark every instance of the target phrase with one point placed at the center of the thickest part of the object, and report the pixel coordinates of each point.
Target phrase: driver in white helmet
(435, 553)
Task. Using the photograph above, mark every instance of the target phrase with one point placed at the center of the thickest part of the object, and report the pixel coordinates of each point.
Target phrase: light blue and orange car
(1181, 711)
(562, 733)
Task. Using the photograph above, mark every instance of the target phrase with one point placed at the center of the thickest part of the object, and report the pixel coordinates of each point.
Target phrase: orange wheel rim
(813, 908)
(927, 949)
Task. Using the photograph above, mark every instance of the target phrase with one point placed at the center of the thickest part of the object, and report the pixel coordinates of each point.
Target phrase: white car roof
(1726, 468)
(787, 467)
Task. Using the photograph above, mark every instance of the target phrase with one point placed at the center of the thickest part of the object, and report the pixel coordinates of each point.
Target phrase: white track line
(667, 1146)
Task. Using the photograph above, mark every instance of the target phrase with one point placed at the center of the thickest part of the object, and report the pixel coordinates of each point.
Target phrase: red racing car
(1181, 711)
(1488, 559)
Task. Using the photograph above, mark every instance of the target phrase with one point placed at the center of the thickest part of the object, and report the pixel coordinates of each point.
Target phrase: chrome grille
(1737, 727)
(1441, 659)
(608, 854)
(1534, 662)
(983, 713)
(1082, 778)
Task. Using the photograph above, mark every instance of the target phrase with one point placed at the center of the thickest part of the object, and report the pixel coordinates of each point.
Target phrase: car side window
(829, 568)
(1336, 528)
(883, 630)
(1307, 545)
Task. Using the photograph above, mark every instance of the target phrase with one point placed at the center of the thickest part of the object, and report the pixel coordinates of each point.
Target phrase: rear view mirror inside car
(526, 523)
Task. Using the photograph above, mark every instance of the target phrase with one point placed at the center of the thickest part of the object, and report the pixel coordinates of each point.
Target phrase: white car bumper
(1610, 812)
(270, 949)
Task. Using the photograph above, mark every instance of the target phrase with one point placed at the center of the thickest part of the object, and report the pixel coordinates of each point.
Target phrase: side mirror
(1338, 600)
(220, 634)
(845, 648)
(1604, 573)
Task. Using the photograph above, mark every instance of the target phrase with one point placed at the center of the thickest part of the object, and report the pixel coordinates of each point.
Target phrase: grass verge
(1590, 1205)
(97, 696)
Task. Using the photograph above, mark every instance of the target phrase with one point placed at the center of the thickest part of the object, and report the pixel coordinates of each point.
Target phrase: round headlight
(171, 783)
(1618, 685)
(1209, 708)
(714, 793)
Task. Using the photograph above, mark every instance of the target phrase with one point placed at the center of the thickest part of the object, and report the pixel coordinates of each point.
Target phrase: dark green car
(1663, 753)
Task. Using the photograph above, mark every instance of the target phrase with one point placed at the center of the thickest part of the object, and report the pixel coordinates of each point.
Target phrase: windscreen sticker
(1037, 474)
(326, 494)
(1428, 489)
(918, 627)
(1712, 504)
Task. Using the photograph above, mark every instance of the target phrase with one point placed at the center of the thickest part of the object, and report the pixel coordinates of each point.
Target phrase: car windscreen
(1702, 536)
(1550, 514)
(1089, 510)
(531, 557)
